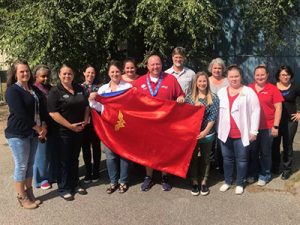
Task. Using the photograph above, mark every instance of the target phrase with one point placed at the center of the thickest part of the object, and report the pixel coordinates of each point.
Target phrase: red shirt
(268, 96)
(234, 130)
(169, 88)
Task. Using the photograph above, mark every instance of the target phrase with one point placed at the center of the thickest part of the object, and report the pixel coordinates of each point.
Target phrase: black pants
(69, 143)
(215, 156)
(90, 138)
(287, 131)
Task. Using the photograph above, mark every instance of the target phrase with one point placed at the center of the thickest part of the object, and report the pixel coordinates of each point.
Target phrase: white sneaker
(261, 183)
(224, 187)
(239, 190)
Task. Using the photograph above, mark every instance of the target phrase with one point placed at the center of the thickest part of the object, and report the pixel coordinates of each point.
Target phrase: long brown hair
(11, 74)
(195, 91)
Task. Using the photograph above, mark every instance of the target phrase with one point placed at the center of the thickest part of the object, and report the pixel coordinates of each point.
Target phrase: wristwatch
(276, 127)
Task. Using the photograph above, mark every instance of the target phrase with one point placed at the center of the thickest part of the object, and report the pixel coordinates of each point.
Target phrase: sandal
(123, 188)
(112, 188)
(68, 197)
(81, 190)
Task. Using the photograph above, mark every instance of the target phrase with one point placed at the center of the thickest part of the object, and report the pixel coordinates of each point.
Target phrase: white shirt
(185, 78)
(107, 89)
(245, 112)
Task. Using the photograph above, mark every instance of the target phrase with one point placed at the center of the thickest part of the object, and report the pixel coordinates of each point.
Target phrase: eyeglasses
(285, 75)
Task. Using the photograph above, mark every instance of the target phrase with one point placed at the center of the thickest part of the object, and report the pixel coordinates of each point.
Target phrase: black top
(289, 105)
(21, 105)
(51, 124)
(71, 107)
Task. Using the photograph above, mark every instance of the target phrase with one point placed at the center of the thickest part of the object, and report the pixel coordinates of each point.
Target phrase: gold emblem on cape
(120, 123)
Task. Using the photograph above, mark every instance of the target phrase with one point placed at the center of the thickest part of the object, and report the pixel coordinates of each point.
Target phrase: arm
(178, 92)
(57, 117)
(255, 115)
(296, 116)
(17, 106)
(86, 116)
(213, 110)
(277, 117)
(206, 130)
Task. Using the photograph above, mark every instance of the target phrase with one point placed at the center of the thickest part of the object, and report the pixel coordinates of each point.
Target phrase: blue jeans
(234, 153)
(261, 156)
(117, 167)
(23, 150)
(41, 164)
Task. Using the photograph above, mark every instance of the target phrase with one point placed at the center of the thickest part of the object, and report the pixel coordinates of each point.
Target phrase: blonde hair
(195, 91)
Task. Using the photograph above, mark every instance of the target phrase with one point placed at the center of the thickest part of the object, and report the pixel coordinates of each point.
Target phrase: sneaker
(204, 190)
(250, 180)
(195, 190)
(95, 178)
(239, 190)
(165, 184)
(224, 187)
(285, 175)
(261, 183)
(87, 179)
(46, 186)
(147, 184)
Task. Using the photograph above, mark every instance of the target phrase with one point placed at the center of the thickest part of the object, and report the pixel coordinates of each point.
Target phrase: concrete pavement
(269, 205)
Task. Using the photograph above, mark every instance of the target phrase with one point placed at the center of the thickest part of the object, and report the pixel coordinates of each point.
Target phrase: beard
(178, 64)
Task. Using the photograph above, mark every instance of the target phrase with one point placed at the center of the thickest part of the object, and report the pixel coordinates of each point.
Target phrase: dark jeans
(90, 138)
(70, 144)
(234, 153)
(200, 165)
(261, 156)
(287, 131)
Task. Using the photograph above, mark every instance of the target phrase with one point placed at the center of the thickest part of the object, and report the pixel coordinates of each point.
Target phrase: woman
(116, 165)
(41, 168)
(89, 135)
(238, 125)
(25, 126)
(288, 123)
(270, 100)
(199, 167)
(68, 106)
(217, 80)
(129, 68)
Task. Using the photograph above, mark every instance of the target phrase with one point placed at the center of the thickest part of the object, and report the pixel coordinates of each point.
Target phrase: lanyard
(154, 93)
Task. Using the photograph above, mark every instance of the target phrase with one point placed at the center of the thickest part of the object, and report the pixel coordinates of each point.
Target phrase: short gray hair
(216, 61)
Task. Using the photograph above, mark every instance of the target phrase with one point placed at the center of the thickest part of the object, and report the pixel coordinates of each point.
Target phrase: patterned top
(88, 88)
(211, 111)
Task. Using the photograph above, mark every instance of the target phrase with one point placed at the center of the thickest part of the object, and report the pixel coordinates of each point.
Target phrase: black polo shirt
(71, 107)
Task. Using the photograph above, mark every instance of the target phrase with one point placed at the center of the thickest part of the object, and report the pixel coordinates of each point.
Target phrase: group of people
(242, 126)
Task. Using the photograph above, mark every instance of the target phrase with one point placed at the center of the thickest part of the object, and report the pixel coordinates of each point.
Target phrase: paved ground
(269, 205)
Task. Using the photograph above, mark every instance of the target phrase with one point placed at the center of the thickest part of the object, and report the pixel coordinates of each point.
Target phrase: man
(183, 74)
(159, 85)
